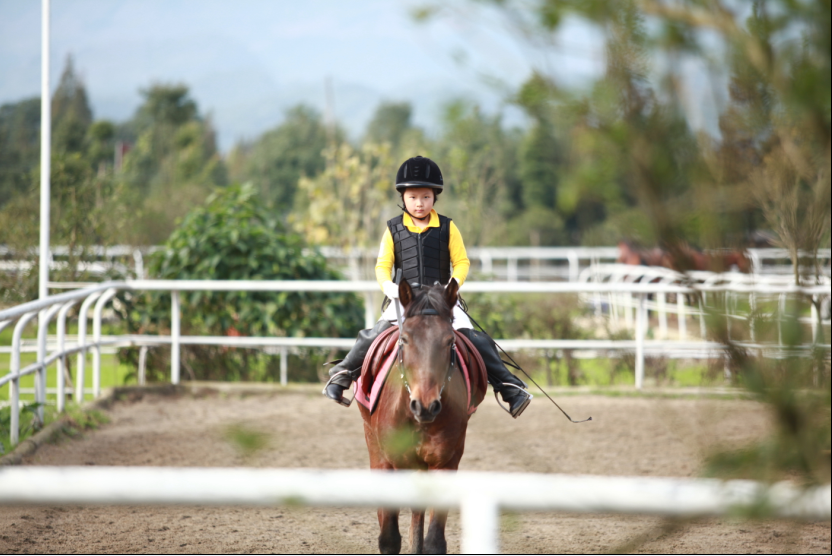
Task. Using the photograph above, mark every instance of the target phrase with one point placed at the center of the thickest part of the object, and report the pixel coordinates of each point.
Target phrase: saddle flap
(382, 356)
(377, 361)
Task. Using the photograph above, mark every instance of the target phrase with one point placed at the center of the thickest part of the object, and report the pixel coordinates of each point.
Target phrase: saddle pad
(382, 356)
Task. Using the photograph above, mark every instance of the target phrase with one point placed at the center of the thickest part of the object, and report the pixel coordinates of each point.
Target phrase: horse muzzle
(425, 414)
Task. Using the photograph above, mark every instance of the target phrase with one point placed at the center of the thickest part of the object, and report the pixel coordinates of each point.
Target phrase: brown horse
(422, 416)
(683, 258)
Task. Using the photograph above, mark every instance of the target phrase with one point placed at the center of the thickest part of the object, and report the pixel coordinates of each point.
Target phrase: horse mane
(428, 297)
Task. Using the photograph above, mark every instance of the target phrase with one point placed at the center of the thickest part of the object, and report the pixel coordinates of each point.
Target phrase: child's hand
(390, 289)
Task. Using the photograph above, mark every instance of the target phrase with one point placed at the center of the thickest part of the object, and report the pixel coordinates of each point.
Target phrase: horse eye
(404, 339)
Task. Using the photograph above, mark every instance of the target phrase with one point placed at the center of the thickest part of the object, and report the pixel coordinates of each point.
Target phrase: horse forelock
(428, 297)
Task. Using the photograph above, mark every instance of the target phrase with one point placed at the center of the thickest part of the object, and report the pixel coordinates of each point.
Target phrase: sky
(247, 61)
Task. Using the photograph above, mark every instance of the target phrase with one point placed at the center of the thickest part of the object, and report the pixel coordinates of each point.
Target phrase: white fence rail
(479, 506)
(96, 297)
(501, 263)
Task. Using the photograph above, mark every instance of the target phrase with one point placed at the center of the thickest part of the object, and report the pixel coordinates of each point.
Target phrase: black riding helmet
(419, 171)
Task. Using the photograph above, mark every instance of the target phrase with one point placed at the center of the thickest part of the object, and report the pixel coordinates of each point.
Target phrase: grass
(79, 420)
(113, 373)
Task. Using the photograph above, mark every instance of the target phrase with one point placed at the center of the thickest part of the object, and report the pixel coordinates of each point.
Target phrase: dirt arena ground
(628, 436)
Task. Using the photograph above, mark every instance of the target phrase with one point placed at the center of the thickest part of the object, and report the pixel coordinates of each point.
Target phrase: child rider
(428, 248)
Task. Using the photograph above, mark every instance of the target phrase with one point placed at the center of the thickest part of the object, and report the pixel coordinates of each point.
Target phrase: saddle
(382, 356)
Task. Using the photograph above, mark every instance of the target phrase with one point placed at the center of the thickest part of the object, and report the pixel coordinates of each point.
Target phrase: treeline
(130, 182)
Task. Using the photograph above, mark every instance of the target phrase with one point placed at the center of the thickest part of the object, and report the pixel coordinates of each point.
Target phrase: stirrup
(343, 401)
(519, 410)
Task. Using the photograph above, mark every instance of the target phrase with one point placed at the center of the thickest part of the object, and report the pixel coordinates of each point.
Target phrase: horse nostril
(415, 407)
(435, 408)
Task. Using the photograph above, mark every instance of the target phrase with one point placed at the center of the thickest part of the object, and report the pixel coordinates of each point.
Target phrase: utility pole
(45, 151)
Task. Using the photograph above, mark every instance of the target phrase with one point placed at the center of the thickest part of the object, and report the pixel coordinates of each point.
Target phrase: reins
(518, 367)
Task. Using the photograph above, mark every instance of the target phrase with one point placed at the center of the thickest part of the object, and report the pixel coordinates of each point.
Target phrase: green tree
(389, 124)
(478, 158)
(71, 112)
(345, 205)
(277, 160)
(19, 146)
(234, 237)
(171, 167)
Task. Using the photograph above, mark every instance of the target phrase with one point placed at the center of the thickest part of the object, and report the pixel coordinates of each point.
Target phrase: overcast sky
(246, 61)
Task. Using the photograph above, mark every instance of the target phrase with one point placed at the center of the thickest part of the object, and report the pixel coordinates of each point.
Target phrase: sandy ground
(628, 436)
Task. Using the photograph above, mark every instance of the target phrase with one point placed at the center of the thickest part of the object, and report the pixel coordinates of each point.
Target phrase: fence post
(480, 525)
(142, 365)
(284, 366)
(511, 263)
(14, 385)
(574, 266)
(82, 340)
(369, 310)
(174, 335)
(640, 332)
(62, 360)
(139, 260)
(40, 375)
(96, 338)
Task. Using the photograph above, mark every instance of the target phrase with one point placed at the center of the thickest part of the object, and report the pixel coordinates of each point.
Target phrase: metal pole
(45, 151)
(479, 516)
(40, 376)
(574, 266)
(369, 310)
(174, 333)
(14, 385)
(96, 338)
(640, 331)
(62, 361)
(80, 379)
(142, 365)
(284, 366)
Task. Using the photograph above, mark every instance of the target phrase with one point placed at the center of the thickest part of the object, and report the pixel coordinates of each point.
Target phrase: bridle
(427, 313)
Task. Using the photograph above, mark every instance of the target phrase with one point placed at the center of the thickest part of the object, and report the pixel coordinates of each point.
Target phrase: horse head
(427, 338)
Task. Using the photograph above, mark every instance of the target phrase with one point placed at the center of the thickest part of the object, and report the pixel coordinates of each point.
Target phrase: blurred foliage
(347, 204)
(279, 158)
(247, 441)
(234, 237)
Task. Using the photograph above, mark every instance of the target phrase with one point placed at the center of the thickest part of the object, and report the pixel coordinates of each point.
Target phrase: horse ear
(452, 292)
(405, 293)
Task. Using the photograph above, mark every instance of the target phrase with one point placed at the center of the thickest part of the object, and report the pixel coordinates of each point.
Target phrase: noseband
(428, 312)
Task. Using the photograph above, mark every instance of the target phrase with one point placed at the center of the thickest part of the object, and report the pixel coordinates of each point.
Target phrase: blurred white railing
(97, 296)
(478, 496)
(501, 263)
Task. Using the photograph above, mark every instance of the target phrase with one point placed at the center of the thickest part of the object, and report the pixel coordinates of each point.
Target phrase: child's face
(419, 201)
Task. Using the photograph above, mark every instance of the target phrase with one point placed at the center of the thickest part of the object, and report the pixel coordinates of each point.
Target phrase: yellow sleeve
(459, 256)
(386, 258)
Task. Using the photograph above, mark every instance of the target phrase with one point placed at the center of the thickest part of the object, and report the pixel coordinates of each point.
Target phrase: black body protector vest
(424, 258)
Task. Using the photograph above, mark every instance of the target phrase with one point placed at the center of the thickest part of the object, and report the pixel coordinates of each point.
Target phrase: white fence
(500, 263)
(96, 297)
(479, 496)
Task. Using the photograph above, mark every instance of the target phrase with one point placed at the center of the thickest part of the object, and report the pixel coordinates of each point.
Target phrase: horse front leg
(417, 531)
(435, 541)
(389, 540)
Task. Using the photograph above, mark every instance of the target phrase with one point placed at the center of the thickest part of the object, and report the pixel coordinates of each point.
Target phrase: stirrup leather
(520, 409)
(343, 401)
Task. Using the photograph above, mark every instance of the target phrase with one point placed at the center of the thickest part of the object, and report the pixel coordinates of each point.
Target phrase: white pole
(175, 334)
(480, 525)
(45, 152)
(284, 366)
(640, 331)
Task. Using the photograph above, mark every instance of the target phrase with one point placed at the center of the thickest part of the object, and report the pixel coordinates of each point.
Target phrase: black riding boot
(349, 368)
(508, 385)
